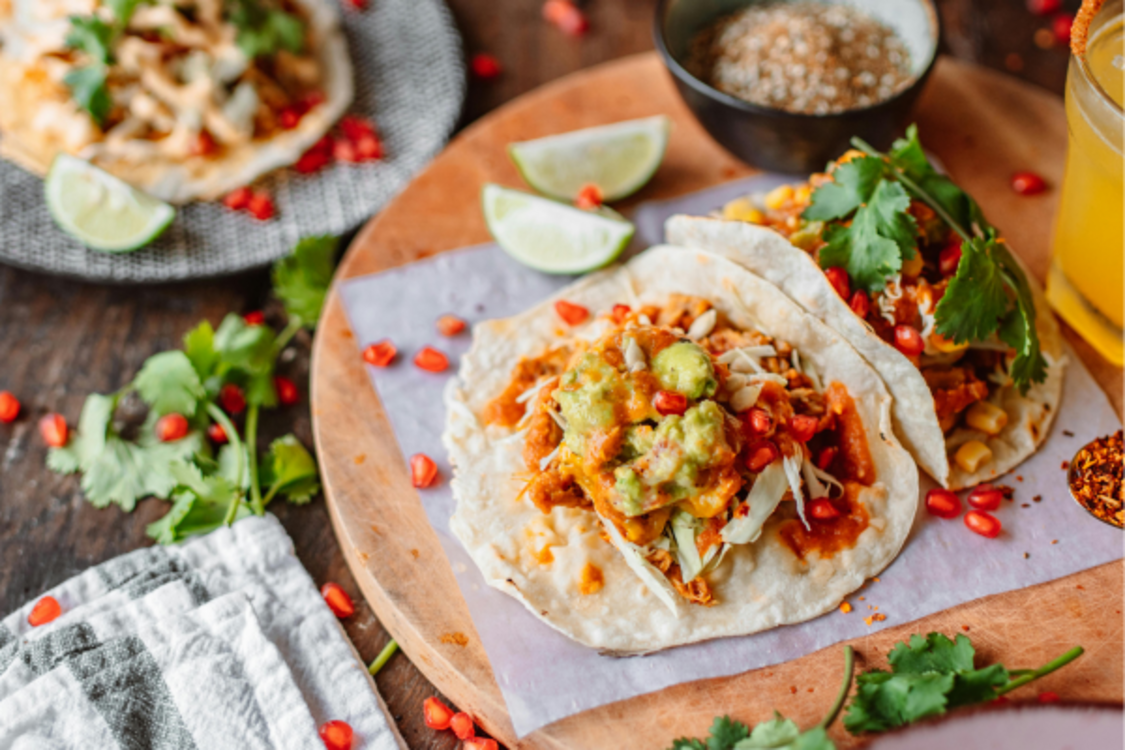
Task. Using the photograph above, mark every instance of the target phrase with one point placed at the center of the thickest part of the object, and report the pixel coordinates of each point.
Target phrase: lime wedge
(550, 236)
(618, 158)
(101, 211)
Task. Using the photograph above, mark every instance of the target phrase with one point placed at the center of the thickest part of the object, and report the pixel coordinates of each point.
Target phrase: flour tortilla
(758, 586)
(171, 180)
(770, 255)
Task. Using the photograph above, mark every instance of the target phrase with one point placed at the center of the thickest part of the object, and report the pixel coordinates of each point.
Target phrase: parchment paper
(543, 675)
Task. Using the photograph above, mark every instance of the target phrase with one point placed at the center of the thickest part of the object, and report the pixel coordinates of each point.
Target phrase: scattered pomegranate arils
(840, 281)
(909, 341)
(826, 457)
(554, 10)
(480, 743)
(254, 318)
(823, 509)
(985, 524)
(344, 150)
(1060, 27)
(759, 421)
(232, 399)
(942, 503)
(9, 407)
(802, 427)
(571, 313)
(171, 427)
(380, 354)
(950, 257)
(358, 4)
(1043, 7)
(423, 471)
(52, 428)
(216, 434)
(238, 199)
(485, 66)
(337, 600)
(203, 144)
(287, 393)
(45, 610)
(313, 99)
(289, 118)
(985, 497)
(312, 162)
(1048, 697)
(670, 402)
(761, 454)
(619, 313)
(436, 714)
(368, 148)
(1028, 183)
(450, 325)
(462, 725)
(566, 16)
(355, 127)
(431, 360)
(261, 206)
(860, 303)
(336, 735)
(589, 198)
(325, 144)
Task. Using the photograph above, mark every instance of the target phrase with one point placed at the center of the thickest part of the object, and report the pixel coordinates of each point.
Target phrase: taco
(185, 101)
(672, 451)
(903, 264)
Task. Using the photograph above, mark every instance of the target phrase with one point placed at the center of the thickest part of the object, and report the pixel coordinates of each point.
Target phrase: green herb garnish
(263, 30)
(95, 37)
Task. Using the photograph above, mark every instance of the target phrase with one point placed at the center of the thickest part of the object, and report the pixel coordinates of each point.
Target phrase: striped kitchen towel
(124, 610)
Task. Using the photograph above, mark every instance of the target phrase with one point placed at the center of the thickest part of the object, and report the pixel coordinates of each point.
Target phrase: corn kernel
(942, 344)
(972, 455)
(911, 268)
(778, 197)
(986, 417)
(802, 195)
(741, 209)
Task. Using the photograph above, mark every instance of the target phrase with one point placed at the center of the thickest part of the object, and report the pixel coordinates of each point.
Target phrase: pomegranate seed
(9, 407)
(1060, 27)
(289, 118)
(950, 257)
(254, 318)
(909, 341)
(860, 304)
(232, 399)
(802, 427)
(261, 206)
(337, 735)
(670, 402)
(45, 610)
(324, 145)
(437, 714)
(840, 281)
(485, 66)
(238, 199)
(203, 144)
(380, 354)
(985, 497)
(287, 393)
(759, 421)
(450, 325)
(566, 16)
(344, 150)
(942, 503)
(479, 743)
(571, 313)
(216, 434)
(52, 428)
(337, 600)
(823, 510)
(310, 163)
(1028, 183)
(589, 198)
(171, 427)
(826, 457)
(368, 148)
(761, 454)
(983, 523)
(619, 313)
(423, 471)
(355, 127)
(1048, 697)
(431, 360)
(358, 4)
(462, 725)
(1043, 7)
(313, 99)
(554, 10)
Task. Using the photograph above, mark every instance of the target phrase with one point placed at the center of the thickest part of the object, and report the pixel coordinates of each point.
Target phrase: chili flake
(1095, 479)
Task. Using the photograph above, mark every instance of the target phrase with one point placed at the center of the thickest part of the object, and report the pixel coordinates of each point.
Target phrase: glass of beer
(1085, 281)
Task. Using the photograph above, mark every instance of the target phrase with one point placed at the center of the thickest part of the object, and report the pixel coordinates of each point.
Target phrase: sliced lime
(618, 158)
(101, 211)
(550, 236)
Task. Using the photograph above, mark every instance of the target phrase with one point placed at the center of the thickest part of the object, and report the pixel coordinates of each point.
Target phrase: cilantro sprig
(263, 29)
(869, 232)
(96, 37)
(206, 490)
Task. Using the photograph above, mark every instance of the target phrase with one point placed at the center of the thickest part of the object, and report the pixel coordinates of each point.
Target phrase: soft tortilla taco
(903, 264)
(671, 451)
(185, 101)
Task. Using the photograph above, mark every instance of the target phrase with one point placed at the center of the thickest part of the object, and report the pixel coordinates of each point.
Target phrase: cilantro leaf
(243, 346)
(907, 155)
(91, 35)
(934, 653)
(725, 732)
(200, 506)
(1018, 330)
(199, 346)
(87, 86)
(168, 383)
(688, 743)
(262, 30)
(976, 298)
(777, 732)
(123, 10)
(872, 247)
(289, 469)
(301, 280)
(852, 185)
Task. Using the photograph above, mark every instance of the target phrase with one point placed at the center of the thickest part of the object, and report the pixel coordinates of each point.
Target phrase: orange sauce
(855, 455)
(504, 410)
(591, 580)
(828, 537)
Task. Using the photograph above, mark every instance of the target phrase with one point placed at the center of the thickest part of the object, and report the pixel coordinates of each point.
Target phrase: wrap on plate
(185, 101)
(670, 451)
(958, 329)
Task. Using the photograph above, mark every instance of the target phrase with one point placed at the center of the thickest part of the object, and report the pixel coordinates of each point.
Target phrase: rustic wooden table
(61, 339)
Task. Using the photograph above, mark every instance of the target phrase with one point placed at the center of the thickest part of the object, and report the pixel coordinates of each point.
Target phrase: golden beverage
(1086, 278)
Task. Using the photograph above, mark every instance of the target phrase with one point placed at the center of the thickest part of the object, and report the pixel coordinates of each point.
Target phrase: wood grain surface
(983, 126)
(62, 339)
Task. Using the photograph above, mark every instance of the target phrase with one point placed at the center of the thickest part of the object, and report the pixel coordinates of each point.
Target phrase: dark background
(61, 340)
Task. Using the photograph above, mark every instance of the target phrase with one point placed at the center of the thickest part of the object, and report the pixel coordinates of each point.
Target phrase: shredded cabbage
(684, 529)
(792, 465)
(652, 578)
(764, 497)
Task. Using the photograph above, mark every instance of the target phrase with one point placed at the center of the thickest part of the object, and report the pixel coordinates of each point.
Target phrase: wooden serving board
(984, 126)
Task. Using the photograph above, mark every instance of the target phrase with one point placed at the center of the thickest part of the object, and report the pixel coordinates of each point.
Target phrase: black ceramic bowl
(780, 141)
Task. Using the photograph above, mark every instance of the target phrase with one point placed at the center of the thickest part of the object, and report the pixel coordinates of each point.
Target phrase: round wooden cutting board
(983, 126)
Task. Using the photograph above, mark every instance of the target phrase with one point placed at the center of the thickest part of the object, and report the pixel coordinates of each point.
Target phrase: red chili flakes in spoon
(1095, 479)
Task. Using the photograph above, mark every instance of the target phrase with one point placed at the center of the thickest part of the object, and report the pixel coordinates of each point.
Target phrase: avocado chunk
(685, 368)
